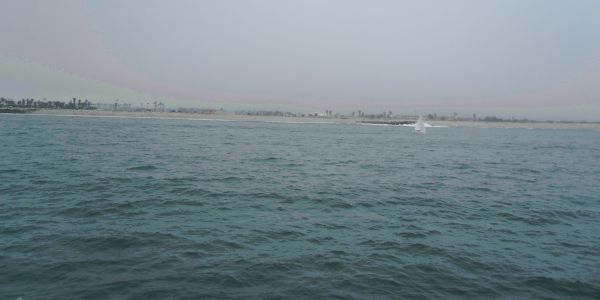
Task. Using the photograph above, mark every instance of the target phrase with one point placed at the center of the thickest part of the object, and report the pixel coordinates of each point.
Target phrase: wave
(143, 168)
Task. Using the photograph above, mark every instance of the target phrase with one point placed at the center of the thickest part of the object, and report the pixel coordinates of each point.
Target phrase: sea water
(123, 208)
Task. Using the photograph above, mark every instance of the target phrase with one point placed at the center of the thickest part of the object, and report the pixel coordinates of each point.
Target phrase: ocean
(142, 208)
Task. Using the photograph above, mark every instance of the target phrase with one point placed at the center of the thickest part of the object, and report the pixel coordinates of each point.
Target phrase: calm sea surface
(117, 208)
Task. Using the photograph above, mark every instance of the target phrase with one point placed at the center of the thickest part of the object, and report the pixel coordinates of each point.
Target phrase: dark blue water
(112, 208)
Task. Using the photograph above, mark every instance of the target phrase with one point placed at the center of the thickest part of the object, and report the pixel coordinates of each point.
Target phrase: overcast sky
(541, 57)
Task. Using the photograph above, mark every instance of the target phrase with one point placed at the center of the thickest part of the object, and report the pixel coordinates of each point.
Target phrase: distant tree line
(455, 117)
(275, 113)
(31, 103)
(383, 115)
(495, 119)
(203, 111)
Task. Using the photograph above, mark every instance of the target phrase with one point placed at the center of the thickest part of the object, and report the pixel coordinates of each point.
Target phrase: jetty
(396, 122)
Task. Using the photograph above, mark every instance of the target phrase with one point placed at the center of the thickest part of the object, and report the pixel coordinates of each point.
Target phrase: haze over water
(120, 208)
(536, 59)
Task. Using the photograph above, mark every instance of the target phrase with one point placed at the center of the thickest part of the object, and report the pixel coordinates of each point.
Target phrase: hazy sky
(504, 57)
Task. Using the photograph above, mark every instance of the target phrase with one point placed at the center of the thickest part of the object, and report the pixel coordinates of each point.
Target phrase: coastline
(189, 116)
(305, 120)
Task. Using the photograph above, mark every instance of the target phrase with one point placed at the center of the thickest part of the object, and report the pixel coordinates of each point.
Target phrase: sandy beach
(315, 120)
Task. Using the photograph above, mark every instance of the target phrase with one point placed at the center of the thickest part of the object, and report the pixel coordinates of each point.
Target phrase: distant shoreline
(304, 120)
